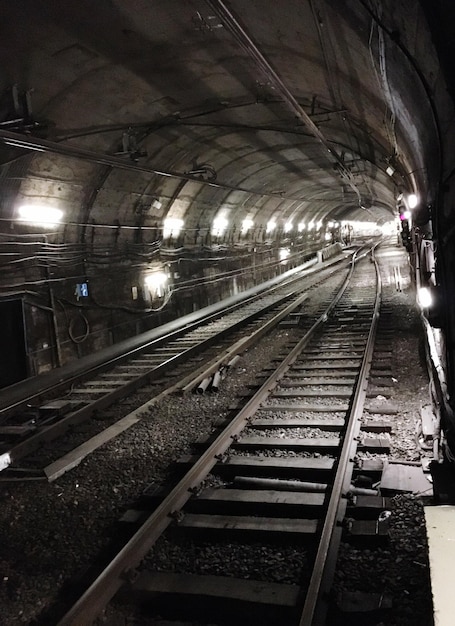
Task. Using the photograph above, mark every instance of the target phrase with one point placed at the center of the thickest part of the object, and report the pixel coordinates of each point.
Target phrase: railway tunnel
(159, 157)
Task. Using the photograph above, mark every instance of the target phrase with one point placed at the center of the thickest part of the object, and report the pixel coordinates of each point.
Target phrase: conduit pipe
(202, 387)
(216, 381)
(37, 144)
(276, 484)
(233, 361)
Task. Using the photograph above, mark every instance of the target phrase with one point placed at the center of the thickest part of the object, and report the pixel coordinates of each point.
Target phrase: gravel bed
(310, 415)
(399, 571)
(53, 532)
(275, 401)
(276, 453)
(275, 563)
(294, 433)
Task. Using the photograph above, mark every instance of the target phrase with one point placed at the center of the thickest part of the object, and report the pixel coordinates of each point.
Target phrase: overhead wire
(333, 85)
(239, 33)
(383, 84)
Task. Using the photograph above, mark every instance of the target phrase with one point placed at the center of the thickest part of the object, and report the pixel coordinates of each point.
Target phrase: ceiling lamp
(301, 226)
(271, 225)
(424, 297)
(246, 225)
(156, 283)
(288, 227)
(390, 171)
(172, 227)
(219, 226)
(412, 201)
(39, 214)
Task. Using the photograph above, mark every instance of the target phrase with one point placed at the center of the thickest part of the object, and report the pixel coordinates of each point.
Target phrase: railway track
(216, 339)
(285, 465)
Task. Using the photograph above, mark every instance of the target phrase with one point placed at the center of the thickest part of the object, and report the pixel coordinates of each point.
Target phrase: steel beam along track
(111, 579)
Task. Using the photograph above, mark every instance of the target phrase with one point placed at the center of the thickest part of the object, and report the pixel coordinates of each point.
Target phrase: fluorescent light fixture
(412, 201)
(246, 225)
(40, 214)
(284, 253)
(319, 225)
(5, 461)
(424, 297)
(156, 204)
(390, 171)
(301, 226)
(271, 225)
(172, 227)
(156, 283)
(288, 227)
(311, 226)
(219, 225)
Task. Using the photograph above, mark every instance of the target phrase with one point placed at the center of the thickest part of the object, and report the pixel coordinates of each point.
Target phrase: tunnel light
(328, 236)
(311, 226)
(331, 224)
(301, 226)
(284, 253)
(219, 226)
(247, 224)
(288, 227)
(156, 283)
(424, 297)
(5, 461)
(319, 225)
(39, 214)
(406, 215)
(390, 171)
(271, 225)
(172, 227)
(412, 201)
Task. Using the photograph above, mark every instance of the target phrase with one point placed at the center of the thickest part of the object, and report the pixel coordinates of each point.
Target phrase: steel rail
(196, 320)
(242, 345)
(106, 585)
(315, 607)
(58, 428)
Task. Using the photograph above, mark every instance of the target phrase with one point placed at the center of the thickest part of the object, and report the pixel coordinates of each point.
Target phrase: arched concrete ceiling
(289, 110)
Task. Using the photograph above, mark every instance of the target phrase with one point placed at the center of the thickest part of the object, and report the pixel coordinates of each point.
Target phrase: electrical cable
(71, 325)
